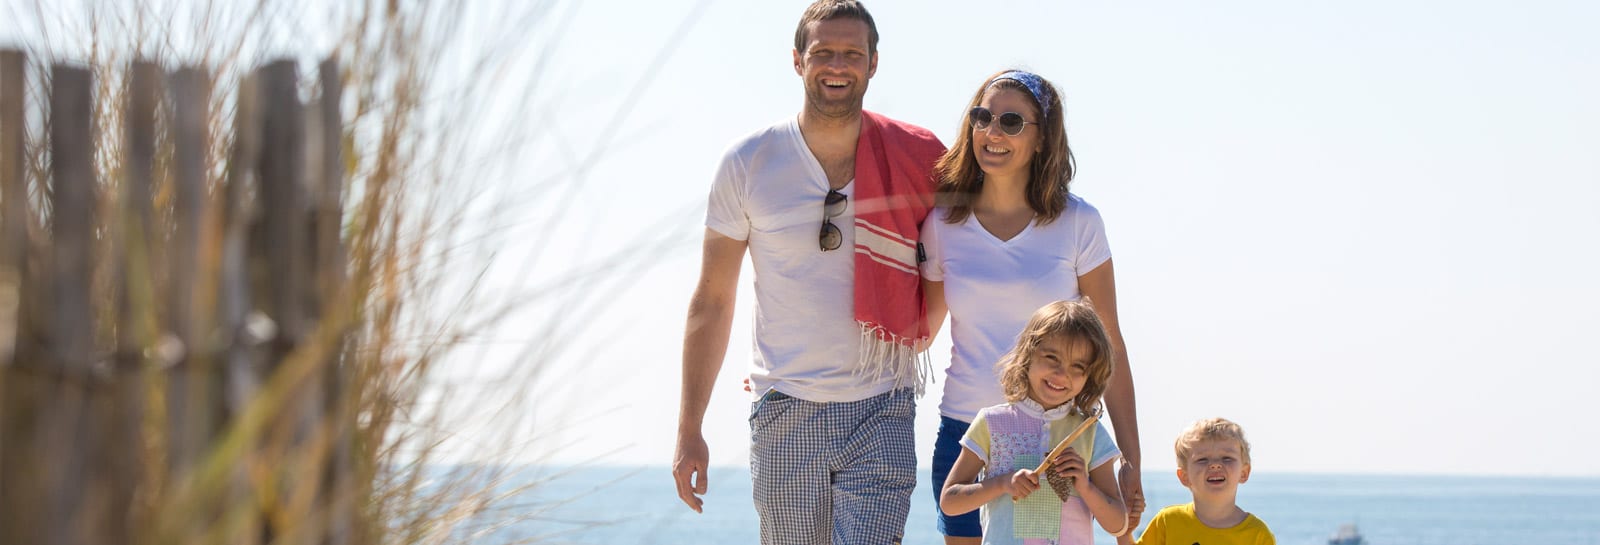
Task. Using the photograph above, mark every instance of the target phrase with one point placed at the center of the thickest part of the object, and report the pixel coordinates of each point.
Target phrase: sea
(639, 505)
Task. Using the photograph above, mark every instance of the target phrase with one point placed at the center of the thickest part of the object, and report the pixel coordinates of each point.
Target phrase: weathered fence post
(242, 333)
(280, 246)
(13, 210)
(73, 499)
(327, 212)
(119, 405)
(194, 389)
(280, 236)
(19, 511)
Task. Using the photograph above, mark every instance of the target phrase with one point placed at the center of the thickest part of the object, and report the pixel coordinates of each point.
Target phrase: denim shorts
(945, 451)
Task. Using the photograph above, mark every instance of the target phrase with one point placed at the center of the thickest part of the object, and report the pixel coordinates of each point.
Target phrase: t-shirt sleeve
(1105, 447)
(977, 437)
(1156, 532)
(1263, 534)
(1093, 249)
(933, 267)
(725, 211)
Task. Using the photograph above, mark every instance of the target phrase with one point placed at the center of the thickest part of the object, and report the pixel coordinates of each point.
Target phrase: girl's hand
(1070, 464)
(1022, 483)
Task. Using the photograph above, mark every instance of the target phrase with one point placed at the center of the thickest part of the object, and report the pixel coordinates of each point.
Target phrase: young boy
(1213, 460)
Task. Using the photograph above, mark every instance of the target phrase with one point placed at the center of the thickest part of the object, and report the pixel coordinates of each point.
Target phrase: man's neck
(832, 141)
(830, 131)
(1219, 513)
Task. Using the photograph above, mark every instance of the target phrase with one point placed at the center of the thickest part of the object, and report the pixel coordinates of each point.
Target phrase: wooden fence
(173, 313)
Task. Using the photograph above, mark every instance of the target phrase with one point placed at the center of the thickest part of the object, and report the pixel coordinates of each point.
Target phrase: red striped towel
(894, 192)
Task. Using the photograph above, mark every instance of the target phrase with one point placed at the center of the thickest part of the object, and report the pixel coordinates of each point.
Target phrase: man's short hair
(823, 10)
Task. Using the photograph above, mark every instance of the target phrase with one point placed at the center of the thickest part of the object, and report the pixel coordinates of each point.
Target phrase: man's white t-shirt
(992, 287)
(769, 192)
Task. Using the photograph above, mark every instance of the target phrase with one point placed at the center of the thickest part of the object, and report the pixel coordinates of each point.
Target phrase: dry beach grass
(326, 429)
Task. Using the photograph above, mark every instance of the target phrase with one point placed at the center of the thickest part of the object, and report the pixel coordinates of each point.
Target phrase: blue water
(640, 505)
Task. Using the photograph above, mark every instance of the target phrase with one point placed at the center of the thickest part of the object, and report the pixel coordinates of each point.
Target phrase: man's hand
(1132, 493)
(690, 461)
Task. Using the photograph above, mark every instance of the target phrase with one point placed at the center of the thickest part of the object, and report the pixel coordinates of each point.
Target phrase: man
(828, 205)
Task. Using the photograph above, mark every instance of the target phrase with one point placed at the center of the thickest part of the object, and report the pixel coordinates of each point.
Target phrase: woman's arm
(1100, 287)
(933, 299)
(1105, 500)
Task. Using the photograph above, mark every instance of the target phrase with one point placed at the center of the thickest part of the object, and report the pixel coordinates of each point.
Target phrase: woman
(1006, 239)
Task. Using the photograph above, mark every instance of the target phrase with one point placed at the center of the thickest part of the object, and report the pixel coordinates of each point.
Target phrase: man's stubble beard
(846, 108)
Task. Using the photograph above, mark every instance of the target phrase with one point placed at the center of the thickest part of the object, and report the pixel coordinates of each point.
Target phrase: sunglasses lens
(981, 117)
(831, 238)
(1011, 123)
(834, 204)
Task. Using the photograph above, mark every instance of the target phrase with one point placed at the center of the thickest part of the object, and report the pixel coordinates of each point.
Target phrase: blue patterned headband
(1035, 85)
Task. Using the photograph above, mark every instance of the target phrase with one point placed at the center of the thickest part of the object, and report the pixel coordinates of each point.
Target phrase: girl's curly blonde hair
(1074, 321)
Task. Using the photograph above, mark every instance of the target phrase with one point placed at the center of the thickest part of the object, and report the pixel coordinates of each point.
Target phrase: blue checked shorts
(827, 473)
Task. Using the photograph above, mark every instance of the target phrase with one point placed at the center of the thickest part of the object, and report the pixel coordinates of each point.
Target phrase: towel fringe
(883, 352)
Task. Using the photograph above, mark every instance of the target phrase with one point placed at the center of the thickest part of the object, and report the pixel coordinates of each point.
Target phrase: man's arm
(1100, 286)
(705, 344)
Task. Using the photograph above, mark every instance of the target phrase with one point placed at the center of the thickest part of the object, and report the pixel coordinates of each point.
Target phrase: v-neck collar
(996, 240)
(819, 177)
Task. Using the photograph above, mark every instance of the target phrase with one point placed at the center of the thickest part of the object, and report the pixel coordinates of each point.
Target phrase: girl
(1006, 239)
(1053, 378)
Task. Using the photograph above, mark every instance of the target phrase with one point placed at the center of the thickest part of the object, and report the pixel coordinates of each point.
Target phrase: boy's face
(1214, 470)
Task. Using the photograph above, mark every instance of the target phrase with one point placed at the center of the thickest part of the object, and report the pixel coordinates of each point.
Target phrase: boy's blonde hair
(1075, 321)
(1210, 429)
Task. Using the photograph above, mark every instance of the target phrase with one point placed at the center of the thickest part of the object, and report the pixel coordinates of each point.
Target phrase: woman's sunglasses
(832, 206)
(1011, 123)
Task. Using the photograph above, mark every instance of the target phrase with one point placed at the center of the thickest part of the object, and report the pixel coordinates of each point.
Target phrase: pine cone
(1061, 483)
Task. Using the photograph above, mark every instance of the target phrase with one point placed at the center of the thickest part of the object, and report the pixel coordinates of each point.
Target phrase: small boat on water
(1347, 535)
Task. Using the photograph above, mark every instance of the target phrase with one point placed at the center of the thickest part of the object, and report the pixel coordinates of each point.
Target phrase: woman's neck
(1003, 194)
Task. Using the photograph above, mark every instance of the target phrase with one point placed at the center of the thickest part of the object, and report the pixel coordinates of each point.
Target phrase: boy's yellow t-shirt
(1177, 525)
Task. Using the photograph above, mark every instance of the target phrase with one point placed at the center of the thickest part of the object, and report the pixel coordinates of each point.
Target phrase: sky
(1367, 231)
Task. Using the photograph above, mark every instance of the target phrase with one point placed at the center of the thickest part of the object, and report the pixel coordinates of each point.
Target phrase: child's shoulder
(1003, 408)
(1254, 523)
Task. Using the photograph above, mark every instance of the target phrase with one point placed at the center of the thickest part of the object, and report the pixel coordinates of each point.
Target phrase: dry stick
(1062, 446)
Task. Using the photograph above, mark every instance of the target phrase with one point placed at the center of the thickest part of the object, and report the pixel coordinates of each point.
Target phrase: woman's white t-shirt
(992, 287)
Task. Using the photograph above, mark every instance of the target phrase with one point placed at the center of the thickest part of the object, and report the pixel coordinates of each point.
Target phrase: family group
(986, 233)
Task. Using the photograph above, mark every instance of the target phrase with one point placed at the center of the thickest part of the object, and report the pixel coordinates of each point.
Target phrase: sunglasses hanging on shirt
(832, 207)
